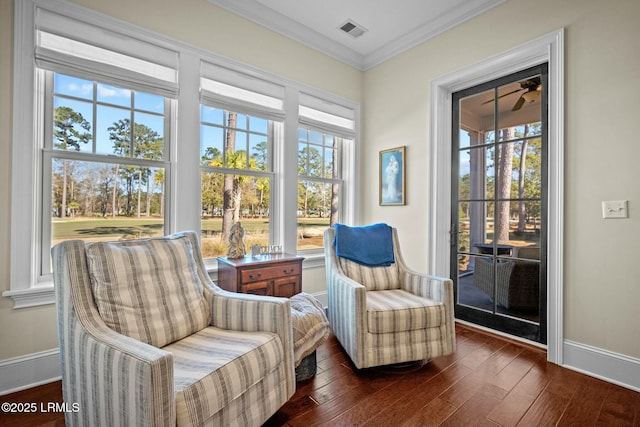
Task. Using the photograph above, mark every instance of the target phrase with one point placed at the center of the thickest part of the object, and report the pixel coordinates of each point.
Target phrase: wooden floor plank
(418, 401)
(586, 403)
(619, 407)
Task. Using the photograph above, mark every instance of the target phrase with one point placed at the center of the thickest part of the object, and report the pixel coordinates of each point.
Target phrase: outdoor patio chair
(517, 281)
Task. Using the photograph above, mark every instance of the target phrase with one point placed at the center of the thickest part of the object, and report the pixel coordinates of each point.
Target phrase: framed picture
(393, 177)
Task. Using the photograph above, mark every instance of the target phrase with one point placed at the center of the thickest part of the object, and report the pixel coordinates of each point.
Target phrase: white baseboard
(28, 371)
(323, 297)
(603, 364)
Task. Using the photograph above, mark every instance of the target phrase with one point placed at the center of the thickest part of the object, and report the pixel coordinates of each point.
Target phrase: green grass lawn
(99, 229)
(119, 228)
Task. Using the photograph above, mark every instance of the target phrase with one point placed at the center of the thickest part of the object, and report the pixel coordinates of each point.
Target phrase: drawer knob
(289, 271)
(257, 276)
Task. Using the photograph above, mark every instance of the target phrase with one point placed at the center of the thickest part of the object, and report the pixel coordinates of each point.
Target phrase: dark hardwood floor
(489, 381)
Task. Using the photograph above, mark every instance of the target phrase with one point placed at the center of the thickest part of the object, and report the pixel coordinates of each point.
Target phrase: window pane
(250, 206)
(311, 157)
(72, 86)
(241, 121)
(523, 224)
(259, 125)
(318, 158)
(100, 201)
(259, 152)
(211, 115)
(113, 131)
(72, 125)
(303, 170)
(236, 155)
(114, 95)
(149, 136)
(329, 167)
(476, 173)
(481, 113)
(148, 102)
(315, 137)
(318, 208)
(527, 169)
(475, 226)
(211, 145)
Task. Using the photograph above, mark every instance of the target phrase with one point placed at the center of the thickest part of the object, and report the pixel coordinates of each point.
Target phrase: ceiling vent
(353, 29)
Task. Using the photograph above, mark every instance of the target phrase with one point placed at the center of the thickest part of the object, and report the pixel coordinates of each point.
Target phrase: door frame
(548, 48)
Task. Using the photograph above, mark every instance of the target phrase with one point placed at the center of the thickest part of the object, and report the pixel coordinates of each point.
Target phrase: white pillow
(148, 289)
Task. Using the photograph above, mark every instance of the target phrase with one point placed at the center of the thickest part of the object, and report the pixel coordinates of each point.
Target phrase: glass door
(499, 201)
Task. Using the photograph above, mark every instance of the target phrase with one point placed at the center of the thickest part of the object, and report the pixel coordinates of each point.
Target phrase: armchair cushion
(398, 310)
(214, 367)
(372, 278)
(148, 289)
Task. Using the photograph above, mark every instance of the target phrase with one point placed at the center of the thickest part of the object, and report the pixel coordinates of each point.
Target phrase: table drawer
(266, 273)
(257, 288)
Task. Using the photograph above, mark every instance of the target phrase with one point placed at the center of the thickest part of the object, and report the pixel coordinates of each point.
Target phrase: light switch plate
(614, 209)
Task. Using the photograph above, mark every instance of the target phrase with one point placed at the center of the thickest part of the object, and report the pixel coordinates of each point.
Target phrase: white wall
(602, 105)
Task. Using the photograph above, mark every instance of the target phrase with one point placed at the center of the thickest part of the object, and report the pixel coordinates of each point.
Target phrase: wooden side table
(277, 275)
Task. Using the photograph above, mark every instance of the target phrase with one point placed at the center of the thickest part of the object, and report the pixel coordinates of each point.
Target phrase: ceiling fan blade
(519, 104)
(503, 95)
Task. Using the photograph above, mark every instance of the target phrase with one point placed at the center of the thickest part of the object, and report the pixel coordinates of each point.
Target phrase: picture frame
(392, 183)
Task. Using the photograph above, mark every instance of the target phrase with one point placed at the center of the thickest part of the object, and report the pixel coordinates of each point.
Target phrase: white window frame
(27, 288)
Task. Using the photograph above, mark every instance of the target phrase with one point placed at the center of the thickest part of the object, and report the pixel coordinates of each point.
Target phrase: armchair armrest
(432, 287)
(245, 312)
(435, 288)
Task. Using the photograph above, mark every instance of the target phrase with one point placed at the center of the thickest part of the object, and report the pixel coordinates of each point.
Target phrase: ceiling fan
(532, 94)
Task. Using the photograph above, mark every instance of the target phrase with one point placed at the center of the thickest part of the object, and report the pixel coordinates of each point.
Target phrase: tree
(211, 195)
(147, 144)
(70, 130)
(310, 164)
(231, 188)
(522, 212)
(504, 152)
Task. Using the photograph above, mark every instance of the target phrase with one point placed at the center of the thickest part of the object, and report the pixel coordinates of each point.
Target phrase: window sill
(32, 297)
(313, 260)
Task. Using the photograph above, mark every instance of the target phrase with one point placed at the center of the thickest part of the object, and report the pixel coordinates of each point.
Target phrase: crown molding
(292, 29)
(287, 27)
(428, 31)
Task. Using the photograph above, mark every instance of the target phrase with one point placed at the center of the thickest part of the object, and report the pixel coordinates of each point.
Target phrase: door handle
(453, 235)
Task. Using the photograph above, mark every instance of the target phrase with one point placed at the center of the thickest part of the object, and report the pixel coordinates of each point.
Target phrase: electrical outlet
(614, 209)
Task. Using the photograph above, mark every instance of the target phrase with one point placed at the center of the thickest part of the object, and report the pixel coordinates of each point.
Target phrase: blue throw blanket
(371, 245)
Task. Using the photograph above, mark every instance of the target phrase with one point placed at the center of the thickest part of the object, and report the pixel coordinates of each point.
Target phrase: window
(325, 137)
(107, 162)
(319, 185)
(137, 139)
(236, 177)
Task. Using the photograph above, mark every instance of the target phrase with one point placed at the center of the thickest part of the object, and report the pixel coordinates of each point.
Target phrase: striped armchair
(146, 339)
(387, 315)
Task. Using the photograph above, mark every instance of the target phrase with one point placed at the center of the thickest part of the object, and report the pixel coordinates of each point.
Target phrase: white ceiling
(393, 26)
